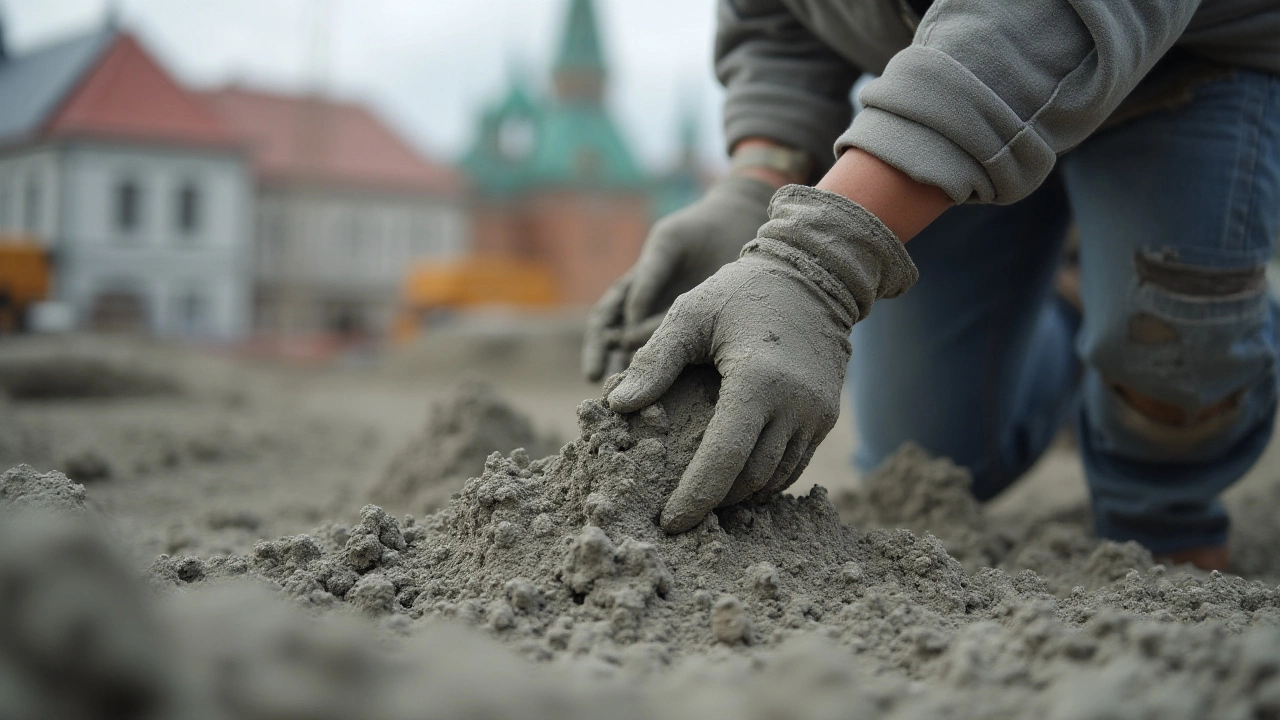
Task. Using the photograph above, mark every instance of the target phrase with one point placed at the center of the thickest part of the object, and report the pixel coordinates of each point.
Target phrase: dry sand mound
(23, 489)
(923, 494)
(915, 491)
(761, 612)
(461, 431)
(561, 559)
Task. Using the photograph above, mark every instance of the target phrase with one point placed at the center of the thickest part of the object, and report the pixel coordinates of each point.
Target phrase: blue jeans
(1178, 210)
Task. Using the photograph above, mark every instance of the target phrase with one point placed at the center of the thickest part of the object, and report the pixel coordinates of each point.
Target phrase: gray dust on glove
(775, 323)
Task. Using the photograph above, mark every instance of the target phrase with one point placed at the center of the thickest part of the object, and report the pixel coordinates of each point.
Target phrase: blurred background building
(135, 188)
(239, 212)
(344, 206)
(556, 186)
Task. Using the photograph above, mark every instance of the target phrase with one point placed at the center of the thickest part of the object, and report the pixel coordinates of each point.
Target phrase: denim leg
(1178, 212)
(976, 361)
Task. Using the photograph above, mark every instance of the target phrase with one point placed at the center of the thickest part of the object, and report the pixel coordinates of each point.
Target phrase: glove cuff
(741, 187)
(861, 260)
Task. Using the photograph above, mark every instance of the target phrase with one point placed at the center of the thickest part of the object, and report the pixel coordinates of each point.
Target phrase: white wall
(162, 262)
(352, 246)
(349, 239)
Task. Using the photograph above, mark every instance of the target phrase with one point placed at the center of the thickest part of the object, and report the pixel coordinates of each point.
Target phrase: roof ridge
(285, 95)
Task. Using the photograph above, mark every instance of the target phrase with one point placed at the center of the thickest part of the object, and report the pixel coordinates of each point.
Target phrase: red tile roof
(307, 139)
(127, 94)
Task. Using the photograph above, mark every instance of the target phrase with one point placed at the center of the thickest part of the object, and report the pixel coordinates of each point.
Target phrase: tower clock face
(515, 138)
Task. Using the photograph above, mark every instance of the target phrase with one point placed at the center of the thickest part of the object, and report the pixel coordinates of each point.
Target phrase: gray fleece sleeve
(782, 83)
(990, 92)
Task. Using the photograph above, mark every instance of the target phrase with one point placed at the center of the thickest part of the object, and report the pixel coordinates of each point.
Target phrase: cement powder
(560, 558)
(230, 650)
(761, 612)
(931, 495)
(460, 432)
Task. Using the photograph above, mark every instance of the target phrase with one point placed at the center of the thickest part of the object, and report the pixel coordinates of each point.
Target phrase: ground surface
(206, 456)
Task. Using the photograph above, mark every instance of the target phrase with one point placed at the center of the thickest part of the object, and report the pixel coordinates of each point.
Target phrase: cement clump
(461, 431)
(24, 489)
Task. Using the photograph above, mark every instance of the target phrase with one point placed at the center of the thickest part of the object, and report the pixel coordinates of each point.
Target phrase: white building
(344, 207)
(141, 192)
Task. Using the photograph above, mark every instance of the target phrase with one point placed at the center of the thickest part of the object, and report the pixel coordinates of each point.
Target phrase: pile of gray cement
(773, 611)
(461, 431)
(923, 494)
(23, 489)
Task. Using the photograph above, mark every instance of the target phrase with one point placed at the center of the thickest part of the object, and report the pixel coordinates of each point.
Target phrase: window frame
(32, 204)
(189, 187)
(123, 230)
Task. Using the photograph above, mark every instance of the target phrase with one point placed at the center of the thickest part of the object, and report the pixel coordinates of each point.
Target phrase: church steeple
(579, 71)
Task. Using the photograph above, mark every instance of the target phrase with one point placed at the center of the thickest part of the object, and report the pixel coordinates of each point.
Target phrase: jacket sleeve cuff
(932, 118)
(924, 154)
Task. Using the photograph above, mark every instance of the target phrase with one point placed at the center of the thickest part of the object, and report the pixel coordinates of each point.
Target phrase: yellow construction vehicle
(434, 288)
(24, 279)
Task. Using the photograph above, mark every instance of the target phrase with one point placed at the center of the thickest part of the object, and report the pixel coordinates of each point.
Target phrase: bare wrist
(904, 205)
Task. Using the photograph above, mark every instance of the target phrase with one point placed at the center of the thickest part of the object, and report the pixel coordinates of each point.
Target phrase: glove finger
(769, 451)
(605, 315)
(794, 461)
(633, 337)
(651, 275)
(656, 365)
(727, 443)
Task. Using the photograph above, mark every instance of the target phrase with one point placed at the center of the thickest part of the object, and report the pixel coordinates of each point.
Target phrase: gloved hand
(682, 250)
(775, 323)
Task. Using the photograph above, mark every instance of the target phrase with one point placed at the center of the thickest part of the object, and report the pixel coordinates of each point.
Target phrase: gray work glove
(775, 324)
(682, 250)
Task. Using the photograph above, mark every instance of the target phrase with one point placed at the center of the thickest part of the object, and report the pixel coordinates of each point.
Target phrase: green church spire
(580, 68)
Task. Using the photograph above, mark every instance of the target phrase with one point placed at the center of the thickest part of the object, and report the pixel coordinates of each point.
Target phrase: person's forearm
(905, 206)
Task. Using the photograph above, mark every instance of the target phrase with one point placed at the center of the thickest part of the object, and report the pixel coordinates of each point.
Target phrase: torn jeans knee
(1186, 367)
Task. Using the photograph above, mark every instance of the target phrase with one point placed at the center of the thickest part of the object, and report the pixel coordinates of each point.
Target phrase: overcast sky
(427, 66)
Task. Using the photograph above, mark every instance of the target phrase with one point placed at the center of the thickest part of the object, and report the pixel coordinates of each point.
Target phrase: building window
(190, 311)
(272, 234)
(128, 206)
(31, 207)
(189, 209)
(349, 236)
(120, 305)
(373, 234)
